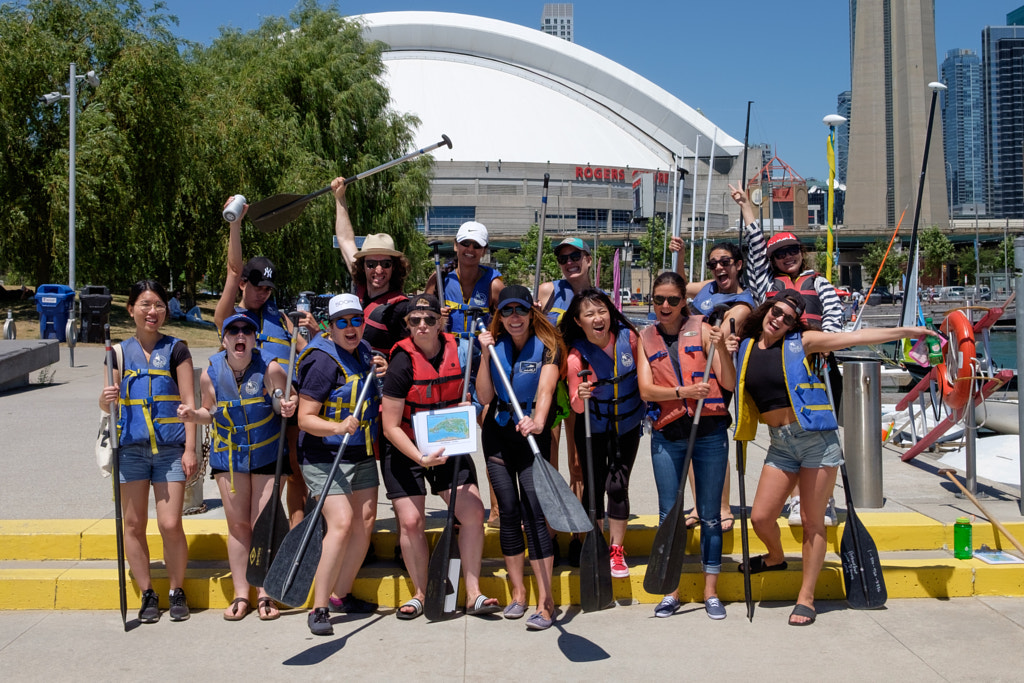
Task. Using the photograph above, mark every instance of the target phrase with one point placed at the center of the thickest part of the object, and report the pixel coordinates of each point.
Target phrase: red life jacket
(692, 361)
(372, 320)
(431, 389)
(805, 285)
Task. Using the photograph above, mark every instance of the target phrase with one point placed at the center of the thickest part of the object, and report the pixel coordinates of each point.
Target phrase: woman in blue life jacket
(531, 352)
(670, 370)
(242, 395)
(154, 446)
(424, 373)
(777, 387)
(333, 369)
(600, 339)
(255, 281)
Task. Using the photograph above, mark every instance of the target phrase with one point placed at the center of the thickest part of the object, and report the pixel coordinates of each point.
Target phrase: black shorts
(404, 478)
(269, 468)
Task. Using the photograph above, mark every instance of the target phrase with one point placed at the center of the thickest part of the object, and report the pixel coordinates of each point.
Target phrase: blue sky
(791, 57)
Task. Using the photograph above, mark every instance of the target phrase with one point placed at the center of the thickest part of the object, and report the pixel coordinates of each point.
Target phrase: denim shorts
(351, 476)
(138, 463)
(793, 447)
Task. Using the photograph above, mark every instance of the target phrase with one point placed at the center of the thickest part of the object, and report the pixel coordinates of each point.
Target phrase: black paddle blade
(665, 565)
(443, 577)
(267, 536)
(595, 572)
(862, 569)
(272, 213)
(561, 508)
(290, 553)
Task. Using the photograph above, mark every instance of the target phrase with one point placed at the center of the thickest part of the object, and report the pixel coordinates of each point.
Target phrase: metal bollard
(862, 441)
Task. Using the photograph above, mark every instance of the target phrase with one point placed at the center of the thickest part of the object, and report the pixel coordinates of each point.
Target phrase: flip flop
(802, 611)
(481, 608)
(727, 523)
(264, 606)
(757, 565)
(235, 614)
(692, 519)
(417, 607)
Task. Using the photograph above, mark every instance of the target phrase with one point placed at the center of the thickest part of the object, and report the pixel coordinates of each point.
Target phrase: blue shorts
(138, 463)
(793, 447)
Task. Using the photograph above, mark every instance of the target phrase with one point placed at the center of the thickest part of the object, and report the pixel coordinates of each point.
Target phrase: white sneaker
(831, 518)
(794, 511)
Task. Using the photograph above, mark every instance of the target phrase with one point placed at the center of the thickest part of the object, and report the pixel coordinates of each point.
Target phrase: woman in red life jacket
(672, 360)
(531, 352)
(240, 394)
(425, 374)
(777, 387)
(602, 340)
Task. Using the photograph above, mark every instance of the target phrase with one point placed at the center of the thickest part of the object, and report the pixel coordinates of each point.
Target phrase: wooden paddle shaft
(951, 475)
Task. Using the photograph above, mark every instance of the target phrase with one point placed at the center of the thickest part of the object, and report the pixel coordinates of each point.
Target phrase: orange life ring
(957, 369)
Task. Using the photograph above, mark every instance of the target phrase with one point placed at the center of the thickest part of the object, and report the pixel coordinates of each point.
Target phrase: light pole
(832, 120)
(52, 98)
(949, 193)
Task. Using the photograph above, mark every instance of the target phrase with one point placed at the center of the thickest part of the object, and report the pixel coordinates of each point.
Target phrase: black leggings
(510, 467)
(614, 455)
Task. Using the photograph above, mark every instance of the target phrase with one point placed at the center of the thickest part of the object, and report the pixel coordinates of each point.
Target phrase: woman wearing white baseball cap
(470, 285)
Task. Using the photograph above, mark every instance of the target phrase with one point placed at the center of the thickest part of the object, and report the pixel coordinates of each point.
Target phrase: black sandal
(757, 565)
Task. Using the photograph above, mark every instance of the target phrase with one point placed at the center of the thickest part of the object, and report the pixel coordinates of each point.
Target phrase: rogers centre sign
(615, 175)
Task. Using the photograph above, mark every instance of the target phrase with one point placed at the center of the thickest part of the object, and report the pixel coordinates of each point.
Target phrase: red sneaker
(620, 570)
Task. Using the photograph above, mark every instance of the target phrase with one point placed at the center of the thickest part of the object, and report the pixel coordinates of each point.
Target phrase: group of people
(567, 352)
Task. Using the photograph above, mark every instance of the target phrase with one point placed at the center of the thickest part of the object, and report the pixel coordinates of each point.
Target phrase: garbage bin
(54, 303)
(95, 313)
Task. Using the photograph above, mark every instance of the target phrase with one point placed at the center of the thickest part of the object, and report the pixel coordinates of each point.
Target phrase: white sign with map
(453, 429)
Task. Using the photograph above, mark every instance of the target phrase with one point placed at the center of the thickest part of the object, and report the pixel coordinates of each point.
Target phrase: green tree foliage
(651, 248)
(518, 266)
(892, 271)
(936, 249)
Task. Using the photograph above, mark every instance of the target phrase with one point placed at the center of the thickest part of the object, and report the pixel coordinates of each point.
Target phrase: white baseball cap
(471, 230)
(344, 304)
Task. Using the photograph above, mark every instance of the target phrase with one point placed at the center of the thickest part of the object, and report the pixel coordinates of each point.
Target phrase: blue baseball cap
(238, 316)
(575, 243)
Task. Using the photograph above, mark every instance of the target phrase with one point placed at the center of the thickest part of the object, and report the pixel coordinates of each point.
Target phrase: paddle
(445, 564)
(665, 565)
(862, 568)
(561, 509)
(741, 471)
(595, 568)
(439, 287)
(294, 564)
(540, 238)
(274, 212)
(272, 523)
(115, 477)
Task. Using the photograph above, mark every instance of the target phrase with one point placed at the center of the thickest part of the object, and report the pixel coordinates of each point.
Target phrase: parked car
(637, 298)
(884, 296)
(982, 293)
(952, 293)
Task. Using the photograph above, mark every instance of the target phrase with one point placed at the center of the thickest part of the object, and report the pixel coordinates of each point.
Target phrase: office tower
(893, 62)
(843, 102)
(963, 132)
(556, 20)
(1002, 52)
(1016, 17)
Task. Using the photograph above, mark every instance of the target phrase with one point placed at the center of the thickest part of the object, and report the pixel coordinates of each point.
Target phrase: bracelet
(677, 391)
(422, 458)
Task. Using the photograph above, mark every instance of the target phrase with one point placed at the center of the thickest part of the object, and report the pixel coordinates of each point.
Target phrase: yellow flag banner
(831, 203)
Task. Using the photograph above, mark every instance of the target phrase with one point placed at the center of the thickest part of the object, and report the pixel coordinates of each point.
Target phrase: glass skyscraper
(963, 132)
(1002, 49)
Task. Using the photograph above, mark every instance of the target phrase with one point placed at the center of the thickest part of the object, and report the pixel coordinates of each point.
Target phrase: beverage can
(234, 208)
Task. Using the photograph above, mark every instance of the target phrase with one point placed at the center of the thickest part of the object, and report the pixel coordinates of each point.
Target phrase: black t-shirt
(319, 375)
(765, 380)
(399, 377)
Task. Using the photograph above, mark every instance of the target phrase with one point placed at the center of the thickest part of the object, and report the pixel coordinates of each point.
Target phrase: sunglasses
(342, 323)
(672, 300)
(417, 320)
(573, 256)
(786, 318)
(725, 262)
(509, 311)
(373, 263)
(470, 244)
(791, 250)
(234, 330)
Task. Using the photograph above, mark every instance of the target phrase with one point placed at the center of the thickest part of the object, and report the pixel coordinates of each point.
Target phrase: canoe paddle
(595, 568)
(294, 565)
(741, 471)
(272, 213)
(272, 524)
(561, 508)
(115, 477)
(665, 565)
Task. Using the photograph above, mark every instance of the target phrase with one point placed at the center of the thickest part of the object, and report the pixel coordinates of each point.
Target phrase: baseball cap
(515, 294)
(344, 304)
(575, 243)
(259, 271)
(471, 230)
(780, 240)
(379, 244)
(237, 317)
(423, 302)
(792, 297)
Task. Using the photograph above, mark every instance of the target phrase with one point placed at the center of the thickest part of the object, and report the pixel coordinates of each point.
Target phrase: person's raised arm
(343, 224)
(233, 278)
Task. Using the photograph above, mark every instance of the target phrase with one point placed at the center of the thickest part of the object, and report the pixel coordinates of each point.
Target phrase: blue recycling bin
(54, 303)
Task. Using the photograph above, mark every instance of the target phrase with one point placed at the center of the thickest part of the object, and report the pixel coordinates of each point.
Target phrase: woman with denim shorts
(153, 444)
(670, 370)
(777, 387)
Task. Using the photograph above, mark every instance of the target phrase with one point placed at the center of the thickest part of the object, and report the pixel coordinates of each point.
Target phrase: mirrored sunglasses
(509, 311)
(342, 323)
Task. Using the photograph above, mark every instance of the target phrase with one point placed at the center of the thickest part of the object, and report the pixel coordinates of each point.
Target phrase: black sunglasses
(234, 330)
(783, 252)
(417, 320)
(470, 244)
(509, 311)
(373, 263)
(672, 300)
(571, 256)
(725, 262)
(786, 318)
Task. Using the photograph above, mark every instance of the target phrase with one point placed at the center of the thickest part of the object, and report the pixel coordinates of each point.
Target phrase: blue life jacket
(615, 403)
(245, 426)
(559, 302)
(272, 338)
(148, 408)
(480, 297)
(356, 368)
(524, 373)
(709, 298)
(807, 393)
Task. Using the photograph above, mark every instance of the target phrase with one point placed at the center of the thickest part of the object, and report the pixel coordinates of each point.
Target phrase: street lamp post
(949, 193)
(72, 97)
(832, 120)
